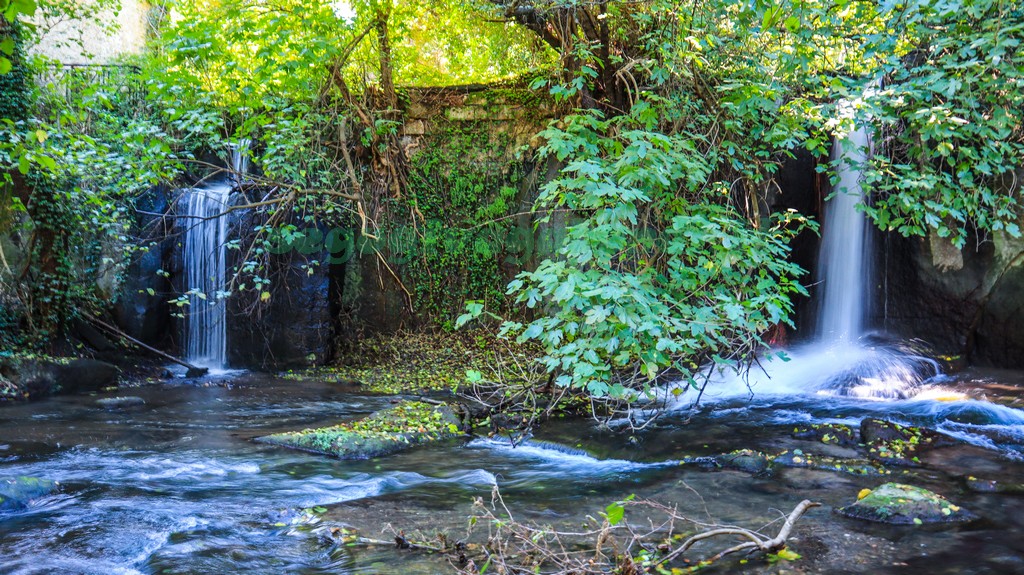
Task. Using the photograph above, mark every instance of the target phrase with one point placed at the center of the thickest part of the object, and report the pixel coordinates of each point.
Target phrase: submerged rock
(830, 433)
(799, 459)
(896, 444)
(114, 403)
(35, 378)
(746, 460)
(900, 504)
(384, 432)
(17, 492)
(994, 486)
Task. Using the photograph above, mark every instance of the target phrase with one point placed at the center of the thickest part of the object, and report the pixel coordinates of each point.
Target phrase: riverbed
(178, 486)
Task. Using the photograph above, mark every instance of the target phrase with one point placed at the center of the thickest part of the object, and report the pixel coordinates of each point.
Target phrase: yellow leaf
(41, 136)
(863, 493)
(265, 296)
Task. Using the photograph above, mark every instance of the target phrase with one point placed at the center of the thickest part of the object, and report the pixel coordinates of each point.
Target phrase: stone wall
(78, 42)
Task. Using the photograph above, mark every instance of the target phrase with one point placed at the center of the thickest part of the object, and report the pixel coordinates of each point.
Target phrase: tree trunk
(387, 75)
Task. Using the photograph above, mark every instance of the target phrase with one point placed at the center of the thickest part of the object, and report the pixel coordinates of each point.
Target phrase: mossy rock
(746, 460)
(798, 458)
(17, 492)
(382, 433)
(993, 486)
(895, 444)
(830, 433)
(900, 504)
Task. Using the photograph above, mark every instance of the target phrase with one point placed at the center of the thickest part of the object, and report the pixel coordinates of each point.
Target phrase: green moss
(17, 492)
(413, 363)
(394, 429)
(902, 504)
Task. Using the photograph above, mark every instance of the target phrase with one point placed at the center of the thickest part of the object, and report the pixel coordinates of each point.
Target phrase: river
(177, 486)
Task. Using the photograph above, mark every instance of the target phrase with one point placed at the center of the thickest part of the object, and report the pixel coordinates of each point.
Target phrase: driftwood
(607, 546)
(193, 370)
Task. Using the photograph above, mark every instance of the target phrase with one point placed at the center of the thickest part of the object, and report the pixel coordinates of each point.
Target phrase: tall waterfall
(844, 265)
(206, 264)
(843, 358)
(205, 272)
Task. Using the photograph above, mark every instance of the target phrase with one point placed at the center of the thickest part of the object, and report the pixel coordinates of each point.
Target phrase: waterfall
(844, 265)
(205, 273)
(205, 254)
(240, 159)
(843, 359)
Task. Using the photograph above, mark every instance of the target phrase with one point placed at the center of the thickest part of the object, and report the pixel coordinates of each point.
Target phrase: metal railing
(121, 83)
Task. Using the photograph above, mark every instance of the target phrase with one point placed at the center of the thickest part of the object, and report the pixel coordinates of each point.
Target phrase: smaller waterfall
(240, 159)
(206, 264)
(843, 359)
(205, 272)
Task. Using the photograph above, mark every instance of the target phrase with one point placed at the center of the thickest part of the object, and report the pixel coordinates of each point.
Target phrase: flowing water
(844, 268)
(844, 358)
(178, 486)
(205, 257)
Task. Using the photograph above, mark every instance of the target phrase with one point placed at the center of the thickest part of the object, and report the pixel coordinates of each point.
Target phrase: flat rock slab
(17, 492)
(114, 403)
(900, 504)
(382, 433)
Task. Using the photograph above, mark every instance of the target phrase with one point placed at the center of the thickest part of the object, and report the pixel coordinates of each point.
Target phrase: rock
(831, 433)
(17, 492)
(382, 433)
(295, 326)
(900, 504)
(115, 403)
(31, 378)
(746, 460)
(895, 444)
(994, 486)
(142, 309)
(799, 459)
(84, 375)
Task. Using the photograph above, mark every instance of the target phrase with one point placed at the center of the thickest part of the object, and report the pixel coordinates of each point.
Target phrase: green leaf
(614, 513)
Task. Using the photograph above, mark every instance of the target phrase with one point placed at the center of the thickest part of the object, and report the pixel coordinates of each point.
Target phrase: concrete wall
(87, 42)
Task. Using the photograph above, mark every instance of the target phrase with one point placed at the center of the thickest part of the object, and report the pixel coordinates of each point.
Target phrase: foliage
(386, 431)
(464, 186)
(76, 154)
(950, 118)
(411, 362)
(646, 281)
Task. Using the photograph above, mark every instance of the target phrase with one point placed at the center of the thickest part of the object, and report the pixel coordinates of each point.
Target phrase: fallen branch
(756, 541)
(606, 546)
(193, 370)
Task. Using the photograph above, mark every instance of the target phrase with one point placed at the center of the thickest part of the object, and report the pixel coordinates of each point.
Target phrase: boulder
(17, 492)
(32, 378)
(85, 375)
(899, 504)
(382, 433)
